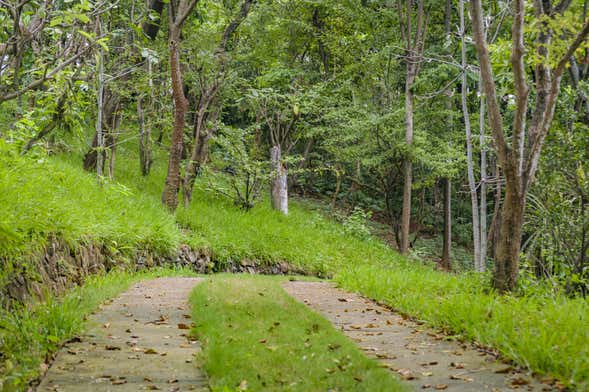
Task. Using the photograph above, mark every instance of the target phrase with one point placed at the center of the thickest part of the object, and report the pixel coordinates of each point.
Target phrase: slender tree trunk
(446, 260)
(279, 184)
(407, 165)
(100, 109)
(483, 191)
(145, 152)
(476, 227)
(447, 182)
(172, 185)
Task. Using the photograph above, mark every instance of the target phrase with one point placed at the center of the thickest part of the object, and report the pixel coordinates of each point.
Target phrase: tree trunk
(145, 153)
(476, 227)
(279, 185)
(483, 191)
(446, 260)
(171, 187)
(100, 109)
(198, 158)
(508, 244)
(407, 165)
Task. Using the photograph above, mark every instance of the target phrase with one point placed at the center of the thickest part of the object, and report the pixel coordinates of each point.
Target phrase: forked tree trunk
(279, 183)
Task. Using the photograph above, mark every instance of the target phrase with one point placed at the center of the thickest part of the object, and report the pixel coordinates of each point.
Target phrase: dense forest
(311, 135)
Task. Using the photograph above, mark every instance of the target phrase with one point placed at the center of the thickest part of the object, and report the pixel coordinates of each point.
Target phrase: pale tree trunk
(414, 41)
(483, 190)
(447, 246)
(476, 227)
(145, 152)
(279, 183)
(407, 165)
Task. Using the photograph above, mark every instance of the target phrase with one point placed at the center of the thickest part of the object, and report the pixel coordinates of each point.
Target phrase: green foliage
(245, 172)
(356, 224)
(254, 334)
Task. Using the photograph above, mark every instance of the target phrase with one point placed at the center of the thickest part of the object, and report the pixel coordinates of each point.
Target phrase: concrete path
(137, 342)
(421, 357)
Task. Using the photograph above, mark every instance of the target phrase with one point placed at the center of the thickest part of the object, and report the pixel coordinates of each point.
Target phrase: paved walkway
(421, 357)
(137, 342)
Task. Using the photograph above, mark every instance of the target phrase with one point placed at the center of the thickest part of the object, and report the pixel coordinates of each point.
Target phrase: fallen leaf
(183, 326)
(119, 381)
(106, 325)
(441, 387)
(112, 348)
(504, 370)
(406, 374)
(519, 381)
(153, 388)
(242, 386)
(172, 381)
(460, 377)
(149, 351)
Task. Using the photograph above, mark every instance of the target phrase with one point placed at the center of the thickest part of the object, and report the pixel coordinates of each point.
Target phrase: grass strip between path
(30, 334)
(256, 337)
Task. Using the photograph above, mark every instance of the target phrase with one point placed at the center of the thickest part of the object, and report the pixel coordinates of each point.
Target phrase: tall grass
(46, 196)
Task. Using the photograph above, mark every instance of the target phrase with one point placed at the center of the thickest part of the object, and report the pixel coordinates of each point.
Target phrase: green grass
(47, 196)
(30, 334)
(254, 334)
(549, 335)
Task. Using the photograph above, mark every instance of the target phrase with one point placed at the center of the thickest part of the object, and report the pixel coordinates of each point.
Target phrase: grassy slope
(254, 333)
(30, 334)
(547, 335)
(47, 196)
